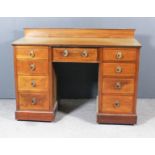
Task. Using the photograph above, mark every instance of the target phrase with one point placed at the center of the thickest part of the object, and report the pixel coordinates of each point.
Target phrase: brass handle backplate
(119, 55)
(118, 85)
(33, 83)
(32, 67)
(65, 53)
(34, 101)
(117, 104)
(118, 69)
(84, 53)
(32, 54)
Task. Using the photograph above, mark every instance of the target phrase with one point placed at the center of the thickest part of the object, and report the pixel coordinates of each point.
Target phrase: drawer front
(75, 55)
(117, 104)
(33, 101)
(32, 67)
(119, 69)
(31, 52)
(33, 83)
(119, 54)
(114, 85)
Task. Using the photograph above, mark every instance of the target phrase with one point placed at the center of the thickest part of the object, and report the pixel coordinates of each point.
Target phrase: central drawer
(75, 55)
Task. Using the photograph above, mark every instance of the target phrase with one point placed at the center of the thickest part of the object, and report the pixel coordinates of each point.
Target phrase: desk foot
(35, 116)
(117, 119)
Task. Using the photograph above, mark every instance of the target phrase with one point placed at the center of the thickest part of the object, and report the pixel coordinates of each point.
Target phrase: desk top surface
(78, 41)
(79, 37)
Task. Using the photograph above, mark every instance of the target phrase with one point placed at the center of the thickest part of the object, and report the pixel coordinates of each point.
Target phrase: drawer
(32, 67)
(75, 55)
(118, 85)
(119, 69)
(119, 54)
(33, 83)
(34, 101)
(117, 104)
(31, 52)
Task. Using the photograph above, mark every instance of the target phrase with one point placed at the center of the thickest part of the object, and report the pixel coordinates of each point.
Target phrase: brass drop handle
(34, 101)
(32, 67)
(65, 53)
(84, 53)
(119, 55)
(32, 54)
(33, 83)
(118, 85)
(117, 104)
(118, 69)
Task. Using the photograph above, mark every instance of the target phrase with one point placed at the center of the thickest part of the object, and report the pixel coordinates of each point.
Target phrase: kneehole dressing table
(115, 50)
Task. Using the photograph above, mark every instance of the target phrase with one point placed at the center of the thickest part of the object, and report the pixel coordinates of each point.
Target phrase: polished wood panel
(119, 69)
(136, 80)
(75, 55)
(33, 83)
(32, 67)
(119, 54)
(52, 83)
(31, 52)
(33, 101)
(79, 33)
(110, 85)
(116, 104)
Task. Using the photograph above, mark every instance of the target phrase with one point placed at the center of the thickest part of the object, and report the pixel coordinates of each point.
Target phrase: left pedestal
(35, 83)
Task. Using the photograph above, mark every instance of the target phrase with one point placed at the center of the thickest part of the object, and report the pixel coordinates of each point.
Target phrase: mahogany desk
(115, 50)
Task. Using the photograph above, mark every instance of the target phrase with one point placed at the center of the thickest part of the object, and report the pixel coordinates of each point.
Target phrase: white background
(78, 8)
